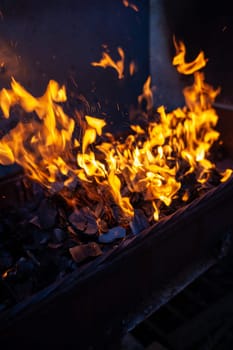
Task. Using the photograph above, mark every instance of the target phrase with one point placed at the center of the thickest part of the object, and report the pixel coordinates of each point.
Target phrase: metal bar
(165, 79)
(199, 327)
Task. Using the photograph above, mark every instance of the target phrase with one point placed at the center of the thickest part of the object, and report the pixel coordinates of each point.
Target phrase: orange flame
(179, 60)
(132, 68)
(107, 61)
(147, 94)
(152, 161)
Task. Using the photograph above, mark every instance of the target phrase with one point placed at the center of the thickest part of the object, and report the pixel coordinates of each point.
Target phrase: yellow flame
(147, 94)
(107, 61)
(226, 175)
(152, 161)
(179, 60)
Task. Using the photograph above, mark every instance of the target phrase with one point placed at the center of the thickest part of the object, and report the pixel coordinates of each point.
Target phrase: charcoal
(113, 234)
(53, 245)
(117, 214)
(37, 238)
(32, 257)
(47, 214)
(83, 220)
(23, 289)
(59, 235)
(72, 233)
(72, 185)
(2, 307)
(35, 221)
(92, 227)
(57, 187)
(25, 267)
(77, 220)
(82, 252)
(44, 239)
(103, 225)
(98, 209)
(6, 290)
(66, 264)
(6, 260)
(139, 222)
(215, 177)
(147, 209)
(38, 194)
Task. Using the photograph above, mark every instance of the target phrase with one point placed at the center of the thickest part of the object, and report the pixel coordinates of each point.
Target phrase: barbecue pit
(116, 288)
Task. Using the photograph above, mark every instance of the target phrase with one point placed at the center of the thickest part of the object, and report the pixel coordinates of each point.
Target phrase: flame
(147, 94)
(152, 162)
(107, 61)
(179, 60)
(132, 68)
(47, 135)
(226, 175)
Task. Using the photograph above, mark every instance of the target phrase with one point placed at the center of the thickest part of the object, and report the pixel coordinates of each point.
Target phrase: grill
(200, 316)
(142, 285)
(112, 295)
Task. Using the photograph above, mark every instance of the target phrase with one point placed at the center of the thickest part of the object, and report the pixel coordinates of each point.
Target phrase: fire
(153, 162)
(179, 60)
(147, 94)
(107, 61)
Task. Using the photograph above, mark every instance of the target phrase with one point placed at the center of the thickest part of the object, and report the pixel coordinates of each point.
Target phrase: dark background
(207, 26)
(59, 39)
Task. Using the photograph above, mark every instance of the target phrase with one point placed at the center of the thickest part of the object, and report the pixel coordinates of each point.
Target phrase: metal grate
(199, 318)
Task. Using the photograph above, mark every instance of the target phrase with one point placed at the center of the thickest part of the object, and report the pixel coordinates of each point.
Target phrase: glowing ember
(132, 68)
(152, 163)
(126, 3)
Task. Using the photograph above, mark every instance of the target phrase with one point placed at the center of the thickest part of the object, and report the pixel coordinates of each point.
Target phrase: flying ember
(149, 169)
(126, 3)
